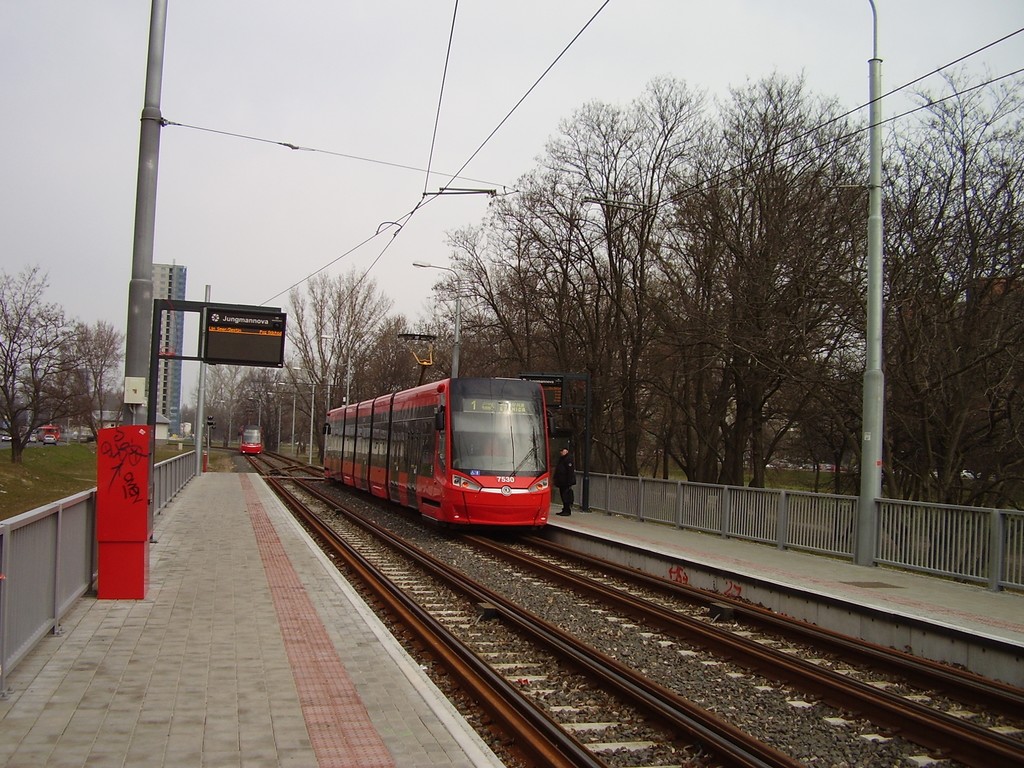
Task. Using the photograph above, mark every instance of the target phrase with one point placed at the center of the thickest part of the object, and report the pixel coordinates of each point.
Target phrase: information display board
(553, 386)
(243, 336)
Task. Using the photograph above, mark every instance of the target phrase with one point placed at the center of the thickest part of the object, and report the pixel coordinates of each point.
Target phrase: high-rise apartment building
(169, 283)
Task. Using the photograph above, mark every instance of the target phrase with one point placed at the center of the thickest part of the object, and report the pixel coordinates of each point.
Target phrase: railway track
(271, 464)
(671, 725)
(944, 733)
(662, 729)
(958, 684)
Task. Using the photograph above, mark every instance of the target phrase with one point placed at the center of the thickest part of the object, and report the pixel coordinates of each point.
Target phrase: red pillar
(122, 511)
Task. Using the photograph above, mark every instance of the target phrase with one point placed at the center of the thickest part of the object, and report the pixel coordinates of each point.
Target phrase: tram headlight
(464, 483)
(540, 485)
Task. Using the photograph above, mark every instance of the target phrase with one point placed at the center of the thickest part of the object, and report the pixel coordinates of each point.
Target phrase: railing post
(58, 545)
(94, 548)
(725, 500)
(680, 498)
(996, 550)
(5, 554)
(782, 521)
(640, 499)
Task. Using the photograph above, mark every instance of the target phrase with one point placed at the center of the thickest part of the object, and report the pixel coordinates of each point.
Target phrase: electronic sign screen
(552, 384)
(236, 336)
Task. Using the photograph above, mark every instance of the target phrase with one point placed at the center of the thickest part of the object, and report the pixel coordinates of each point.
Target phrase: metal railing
(977, 545)
(48, 560)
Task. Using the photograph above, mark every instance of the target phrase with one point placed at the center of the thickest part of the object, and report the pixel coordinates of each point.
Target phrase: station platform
(928, 616)
(248, 650)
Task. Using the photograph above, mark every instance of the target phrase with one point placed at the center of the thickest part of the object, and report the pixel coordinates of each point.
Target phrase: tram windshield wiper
(532, 453)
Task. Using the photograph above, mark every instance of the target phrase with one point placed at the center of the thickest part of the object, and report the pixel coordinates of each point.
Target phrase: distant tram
(252, 439)
(464, 452)
(49, 434)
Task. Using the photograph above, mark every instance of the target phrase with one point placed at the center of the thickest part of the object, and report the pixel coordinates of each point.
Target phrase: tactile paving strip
(340, 730)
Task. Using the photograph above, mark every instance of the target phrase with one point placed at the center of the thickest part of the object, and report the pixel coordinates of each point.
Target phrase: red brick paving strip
(339, 727)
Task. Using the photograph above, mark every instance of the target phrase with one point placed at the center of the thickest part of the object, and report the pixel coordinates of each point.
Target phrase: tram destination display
(243, 337)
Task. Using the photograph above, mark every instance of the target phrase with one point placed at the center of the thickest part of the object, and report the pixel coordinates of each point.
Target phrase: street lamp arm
(874, 29)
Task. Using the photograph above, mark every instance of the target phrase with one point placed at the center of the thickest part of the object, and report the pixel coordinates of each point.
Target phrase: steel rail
(280, 463)
(536, 735)
(951, 736)
(959, 684)
(732, 746)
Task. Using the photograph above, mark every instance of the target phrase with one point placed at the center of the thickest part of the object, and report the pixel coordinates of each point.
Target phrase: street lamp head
(428, 265)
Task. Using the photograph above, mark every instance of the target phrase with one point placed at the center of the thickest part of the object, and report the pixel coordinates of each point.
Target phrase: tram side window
(349, 437)
(379, 445)
(412, 446)
(363, 437)
(442, 449)
(427, 438)
(399, 442)
(421, 440)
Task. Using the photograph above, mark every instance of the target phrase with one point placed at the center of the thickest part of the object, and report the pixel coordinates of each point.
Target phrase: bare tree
(332, 328)
(715, 296)
(97, 351)
(36, 371)
(386, 364)
(507, 324)
(567, 284)
(224, 400)
(955, 329)
(761, 262)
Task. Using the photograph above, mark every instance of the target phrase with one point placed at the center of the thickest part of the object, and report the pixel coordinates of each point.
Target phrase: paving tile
(197, 673)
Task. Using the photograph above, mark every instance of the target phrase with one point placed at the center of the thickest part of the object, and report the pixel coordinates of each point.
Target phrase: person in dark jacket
(565, 479)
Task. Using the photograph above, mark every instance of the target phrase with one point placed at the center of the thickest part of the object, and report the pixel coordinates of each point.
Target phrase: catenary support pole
(140, 289)
(874, 380)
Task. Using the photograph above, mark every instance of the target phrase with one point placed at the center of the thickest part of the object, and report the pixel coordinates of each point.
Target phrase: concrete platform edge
(821, 591)
(467, 738)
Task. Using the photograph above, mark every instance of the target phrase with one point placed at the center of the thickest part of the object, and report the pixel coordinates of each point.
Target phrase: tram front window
(502, 443)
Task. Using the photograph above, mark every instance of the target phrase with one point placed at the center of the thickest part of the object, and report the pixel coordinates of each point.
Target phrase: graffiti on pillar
(124, 455)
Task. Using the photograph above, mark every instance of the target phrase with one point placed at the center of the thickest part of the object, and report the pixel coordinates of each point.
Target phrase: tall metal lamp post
(458, 310)
(874, 381)
(312, 415)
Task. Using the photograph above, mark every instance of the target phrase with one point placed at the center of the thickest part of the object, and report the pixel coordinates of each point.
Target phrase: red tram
(468, 452)
(251, 440)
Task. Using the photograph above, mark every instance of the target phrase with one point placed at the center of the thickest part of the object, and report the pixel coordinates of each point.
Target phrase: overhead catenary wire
(724, 176)
(721, 176)
(316, 150)
(531, 89)
(440, 95)
(425, 199)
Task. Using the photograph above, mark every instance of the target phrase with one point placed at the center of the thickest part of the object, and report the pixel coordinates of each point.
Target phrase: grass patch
(49, 473)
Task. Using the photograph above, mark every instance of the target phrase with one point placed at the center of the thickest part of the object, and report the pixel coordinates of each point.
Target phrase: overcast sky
(251, 218)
